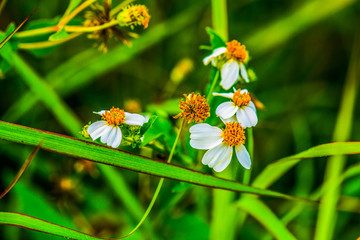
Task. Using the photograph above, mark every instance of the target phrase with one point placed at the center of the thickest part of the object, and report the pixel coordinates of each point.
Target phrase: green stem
(219, 18)
(158, 188)
(213, 84)
(223, 211)
(250, 148)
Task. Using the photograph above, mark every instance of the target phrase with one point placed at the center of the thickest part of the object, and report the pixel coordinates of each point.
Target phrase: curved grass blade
(21, 171)
(39, 225)
(275, 170)
(15, 30)
(265, 216)
(102, 154)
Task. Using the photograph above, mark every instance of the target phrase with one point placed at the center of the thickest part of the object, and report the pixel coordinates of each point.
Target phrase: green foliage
(61, 34)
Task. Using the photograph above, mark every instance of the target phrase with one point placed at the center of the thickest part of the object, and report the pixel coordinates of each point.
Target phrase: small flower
(240, 105)
(231, 60)
(84, 131)
(134, 15)
(194, 109)
(220, 144)
(109, 128)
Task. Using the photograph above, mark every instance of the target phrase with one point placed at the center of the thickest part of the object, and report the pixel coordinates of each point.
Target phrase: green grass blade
(277, 169)
(265, 216)
(21, 171)
(3, 42)
(326, 221)
(54, 103)
(94, 152)
(36, 224)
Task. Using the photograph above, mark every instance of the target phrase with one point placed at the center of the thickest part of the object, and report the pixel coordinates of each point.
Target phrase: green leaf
(61, 34)
(148, 124)
(215, 39)
(265, 216)
(275, 170)
(102, 154)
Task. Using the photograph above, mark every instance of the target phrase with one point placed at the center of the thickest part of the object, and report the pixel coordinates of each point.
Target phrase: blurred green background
(300, 52)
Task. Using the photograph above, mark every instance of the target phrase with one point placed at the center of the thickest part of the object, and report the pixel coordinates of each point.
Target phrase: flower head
(134, 15)
(108, 129)
(240, 108)
(231, 60)
(236, 51)
(194, 109)
(220, 144)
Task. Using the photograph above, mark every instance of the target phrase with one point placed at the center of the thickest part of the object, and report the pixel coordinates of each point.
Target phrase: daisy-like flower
(108, 129)
(194, 109)
(232, 58)
(220, 144)
(240, 108)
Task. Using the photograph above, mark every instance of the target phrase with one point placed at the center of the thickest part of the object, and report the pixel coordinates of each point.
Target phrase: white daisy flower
(234, 55)
(220, 144)
(109, 130)
(240, 108)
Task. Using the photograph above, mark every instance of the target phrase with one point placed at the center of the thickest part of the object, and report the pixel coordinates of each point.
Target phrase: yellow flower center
(134, 15)
(194, 108)
(114, 117)
(233, 134)
(241, 99)
(236, 51)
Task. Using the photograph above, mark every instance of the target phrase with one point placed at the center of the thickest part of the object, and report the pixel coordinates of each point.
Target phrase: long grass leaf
(3, 42)
(326, 221)
(102, 154)
(21, 171)
(265, 216)
(277, 169)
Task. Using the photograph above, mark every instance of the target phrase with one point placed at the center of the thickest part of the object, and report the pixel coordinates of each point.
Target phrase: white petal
(217, 52)
(208, 59)
(244, 91)
(243, 72)
(134, 119)
(205, 130)
(226, 110)
(242, 118)
(100, 112)
(97, 129)
(251, 114)
(229, 74)
(205, 143)
(243, 156)
(105, 133)
(227, 95)
(117, 138)
(96, 125)
(252, 105)
(226, 120)
(222, 158)
(113, 136)
(212, 154)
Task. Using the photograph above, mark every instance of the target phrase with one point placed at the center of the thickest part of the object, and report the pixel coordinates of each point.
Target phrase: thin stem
(213, 84)
(46, 44)
(250, 148)
(46, 30)
(75, 12)
(119, 7)
(158, 188)
(2, 5)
